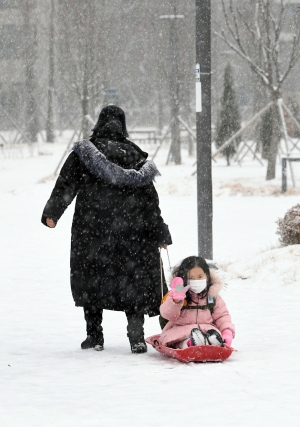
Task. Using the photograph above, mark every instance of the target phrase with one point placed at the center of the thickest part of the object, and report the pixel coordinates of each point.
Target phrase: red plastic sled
(202, 353)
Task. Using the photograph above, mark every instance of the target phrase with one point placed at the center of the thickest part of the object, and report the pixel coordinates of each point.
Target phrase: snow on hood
(217, 284)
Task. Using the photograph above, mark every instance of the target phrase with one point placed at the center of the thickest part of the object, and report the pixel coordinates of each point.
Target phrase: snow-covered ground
(47, 380)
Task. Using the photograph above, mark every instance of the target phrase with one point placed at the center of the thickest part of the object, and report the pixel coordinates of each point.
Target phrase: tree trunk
(160, 112)
(86, 125)
(85, 128)
(176, 134)
(86, 81)
(275, 139)
(175, 88)
(50, 120)
(228, 159)
(30, 54)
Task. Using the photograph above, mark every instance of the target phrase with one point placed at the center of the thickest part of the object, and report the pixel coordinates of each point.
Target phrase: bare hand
(50, 223)
(164, 246)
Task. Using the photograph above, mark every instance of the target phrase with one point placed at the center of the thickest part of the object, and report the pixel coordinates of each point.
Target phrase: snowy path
(47, 380)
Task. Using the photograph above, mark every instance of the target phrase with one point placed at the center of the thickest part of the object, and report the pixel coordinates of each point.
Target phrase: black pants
(135, 328)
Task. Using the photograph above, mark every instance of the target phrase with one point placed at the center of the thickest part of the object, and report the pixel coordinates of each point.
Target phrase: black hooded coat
(117, 226)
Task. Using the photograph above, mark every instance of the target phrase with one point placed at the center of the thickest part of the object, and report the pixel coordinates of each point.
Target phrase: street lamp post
(203, 124)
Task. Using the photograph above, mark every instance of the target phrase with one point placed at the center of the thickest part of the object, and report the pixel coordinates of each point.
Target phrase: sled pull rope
(169, 259)
(161, 275)
(161, 271)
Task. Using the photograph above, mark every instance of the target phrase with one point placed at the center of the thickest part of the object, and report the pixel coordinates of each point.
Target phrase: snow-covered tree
(80, 54)
(255, 33)
(229, 121)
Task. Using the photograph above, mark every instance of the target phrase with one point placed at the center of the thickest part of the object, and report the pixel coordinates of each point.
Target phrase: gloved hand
(178, 291)
(227, 335)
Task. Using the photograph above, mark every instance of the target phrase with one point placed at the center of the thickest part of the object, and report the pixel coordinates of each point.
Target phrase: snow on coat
(117, 226)
(181, 322)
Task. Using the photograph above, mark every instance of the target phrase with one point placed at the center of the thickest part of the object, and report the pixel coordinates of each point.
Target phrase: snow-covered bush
(289, 227)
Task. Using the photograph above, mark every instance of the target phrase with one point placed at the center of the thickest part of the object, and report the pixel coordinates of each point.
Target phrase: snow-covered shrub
(289, 227)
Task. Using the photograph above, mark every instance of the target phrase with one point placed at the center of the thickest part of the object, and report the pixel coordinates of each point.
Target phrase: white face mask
(197, 286)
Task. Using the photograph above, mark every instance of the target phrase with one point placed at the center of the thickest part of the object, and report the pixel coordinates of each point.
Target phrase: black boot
(140, 347)
(214, 338)
(92, 342)
(135, 331)
(95, 339)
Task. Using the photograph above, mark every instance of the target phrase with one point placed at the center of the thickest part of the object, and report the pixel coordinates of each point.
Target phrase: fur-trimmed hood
(217, 284)
(111, 173)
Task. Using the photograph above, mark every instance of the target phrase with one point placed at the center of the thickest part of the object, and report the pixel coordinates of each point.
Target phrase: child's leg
(197, 337)
(183, 344)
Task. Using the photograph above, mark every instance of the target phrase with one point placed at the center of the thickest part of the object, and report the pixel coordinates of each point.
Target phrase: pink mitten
(178, 291)
(227, 335)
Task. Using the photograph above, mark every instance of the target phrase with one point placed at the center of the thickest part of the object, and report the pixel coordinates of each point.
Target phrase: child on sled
(193, 312)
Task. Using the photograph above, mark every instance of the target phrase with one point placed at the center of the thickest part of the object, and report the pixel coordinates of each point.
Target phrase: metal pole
(203, 124)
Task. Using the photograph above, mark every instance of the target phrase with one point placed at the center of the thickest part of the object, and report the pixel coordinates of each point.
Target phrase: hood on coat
(108, 114)
(217, 284)
(110, 172)
(120, 153)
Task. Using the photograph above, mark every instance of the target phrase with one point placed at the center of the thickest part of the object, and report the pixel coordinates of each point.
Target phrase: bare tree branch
(240, 48)
(258, 32)
(227, 21)
(260, 72)
(295, 55)
(266, 16)
(247, 26)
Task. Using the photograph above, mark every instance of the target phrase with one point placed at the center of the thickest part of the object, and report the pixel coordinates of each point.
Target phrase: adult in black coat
(117, 228)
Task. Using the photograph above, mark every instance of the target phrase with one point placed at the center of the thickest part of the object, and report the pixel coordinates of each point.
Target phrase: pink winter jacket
(182, 322)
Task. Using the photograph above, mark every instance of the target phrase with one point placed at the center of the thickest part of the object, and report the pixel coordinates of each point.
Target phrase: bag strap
(211, 302)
